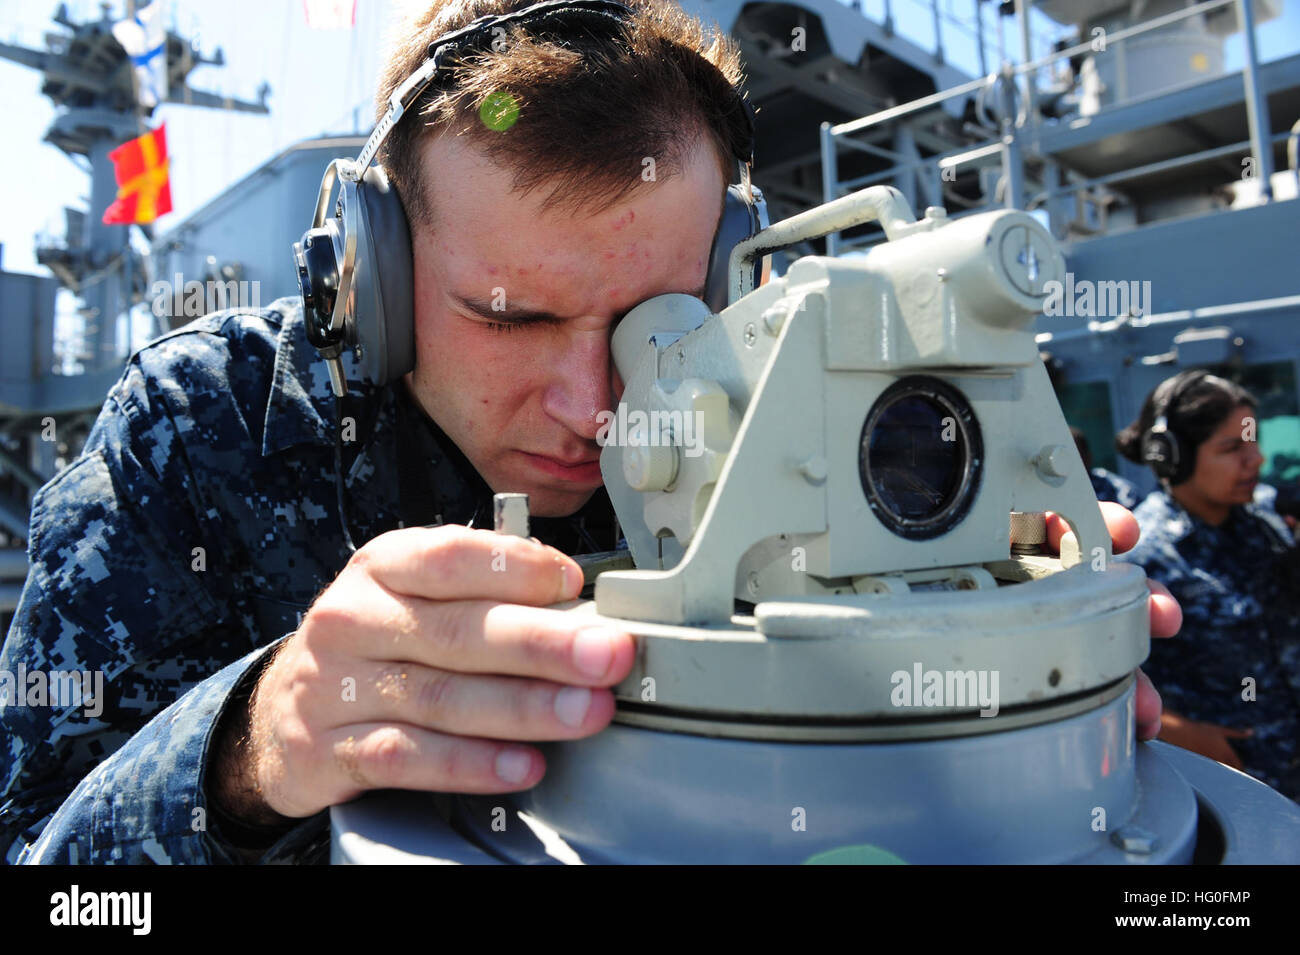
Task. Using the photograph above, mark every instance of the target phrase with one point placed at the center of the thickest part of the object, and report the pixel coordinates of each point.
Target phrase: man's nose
(583, 383)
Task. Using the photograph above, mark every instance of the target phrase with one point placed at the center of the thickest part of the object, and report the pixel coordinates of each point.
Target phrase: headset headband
(1176, 391)
(604, 16)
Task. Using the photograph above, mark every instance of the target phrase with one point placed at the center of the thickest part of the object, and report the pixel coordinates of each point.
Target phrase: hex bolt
(1052, 461)
(773, 319)
(814, 470)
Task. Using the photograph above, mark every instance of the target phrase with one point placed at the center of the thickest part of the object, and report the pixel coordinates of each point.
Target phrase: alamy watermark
(949, 688)
(653, 429)
(59, 688)
(1088, 299)
(193, 299)
(130, 909)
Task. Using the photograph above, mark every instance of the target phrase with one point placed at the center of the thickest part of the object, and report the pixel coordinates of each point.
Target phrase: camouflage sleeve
(1207, 596)
(146, 803)
(1164, 563)
(119, 618)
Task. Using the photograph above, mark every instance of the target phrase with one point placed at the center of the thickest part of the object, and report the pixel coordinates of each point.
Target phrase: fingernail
(513, 765)
(593, 649)
(571, 705)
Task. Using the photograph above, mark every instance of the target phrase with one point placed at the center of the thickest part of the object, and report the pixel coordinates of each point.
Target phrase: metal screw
(751, 334)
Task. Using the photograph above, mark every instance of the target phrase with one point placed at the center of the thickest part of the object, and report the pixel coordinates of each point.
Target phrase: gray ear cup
(383, 313)
(741, 219)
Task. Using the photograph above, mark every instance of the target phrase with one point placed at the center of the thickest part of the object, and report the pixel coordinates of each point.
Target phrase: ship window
(1274, 387)
(1087, 407)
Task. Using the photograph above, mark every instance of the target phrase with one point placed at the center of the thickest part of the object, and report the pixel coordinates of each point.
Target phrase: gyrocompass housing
(850, 641)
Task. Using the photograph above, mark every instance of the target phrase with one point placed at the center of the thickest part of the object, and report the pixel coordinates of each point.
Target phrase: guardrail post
(830, 173)
(1261, 146)
(938, 32)
(1013, 163)
(1023, 8)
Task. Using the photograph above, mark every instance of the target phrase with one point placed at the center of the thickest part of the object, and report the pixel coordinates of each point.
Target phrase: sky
(316, 79)
(321, 81)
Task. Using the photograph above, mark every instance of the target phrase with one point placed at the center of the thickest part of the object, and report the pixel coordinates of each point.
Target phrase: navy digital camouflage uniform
(1109, 486)
(1240, 616)
(220, 436)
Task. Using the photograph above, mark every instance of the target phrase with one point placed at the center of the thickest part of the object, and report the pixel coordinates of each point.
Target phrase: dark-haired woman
(1231, 682)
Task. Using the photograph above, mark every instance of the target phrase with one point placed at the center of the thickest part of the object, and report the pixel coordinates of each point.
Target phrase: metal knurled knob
(1028, 531)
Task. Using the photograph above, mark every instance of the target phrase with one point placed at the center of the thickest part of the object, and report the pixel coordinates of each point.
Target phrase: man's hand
(418, 668)
(1166, 615)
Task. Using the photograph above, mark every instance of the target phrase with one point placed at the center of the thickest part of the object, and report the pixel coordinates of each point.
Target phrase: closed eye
(500, 316)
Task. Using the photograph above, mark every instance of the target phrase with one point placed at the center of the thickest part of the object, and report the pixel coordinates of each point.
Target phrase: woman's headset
(1163, 449)
(354, 267)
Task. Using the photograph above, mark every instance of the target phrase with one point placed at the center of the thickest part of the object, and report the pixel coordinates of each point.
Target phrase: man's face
(521, 401)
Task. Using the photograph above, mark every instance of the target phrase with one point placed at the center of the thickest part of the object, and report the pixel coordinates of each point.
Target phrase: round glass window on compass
(921, 457)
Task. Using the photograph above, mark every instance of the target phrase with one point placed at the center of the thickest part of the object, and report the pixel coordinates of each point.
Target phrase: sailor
(257, 670)
(1231, 681)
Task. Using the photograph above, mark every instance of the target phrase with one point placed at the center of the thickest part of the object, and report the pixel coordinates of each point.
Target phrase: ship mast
(89, 78)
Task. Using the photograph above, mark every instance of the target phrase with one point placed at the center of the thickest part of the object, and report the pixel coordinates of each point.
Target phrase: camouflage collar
(300, 407)
(1175, 521)
(1179, 523)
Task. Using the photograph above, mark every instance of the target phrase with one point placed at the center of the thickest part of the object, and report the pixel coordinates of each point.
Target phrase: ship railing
(973, 27)
(1006, 151)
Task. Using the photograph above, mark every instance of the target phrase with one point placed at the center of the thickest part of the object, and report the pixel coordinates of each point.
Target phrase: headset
(1163, 449)
(354, 267)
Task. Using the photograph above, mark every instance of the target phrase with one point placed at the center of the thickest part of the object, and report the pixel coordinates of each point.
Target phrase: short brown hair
(589, 112)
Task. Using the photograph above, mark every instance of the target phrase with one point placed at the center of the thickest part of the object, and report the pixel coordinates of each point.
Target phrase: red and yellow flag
(143, 190)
